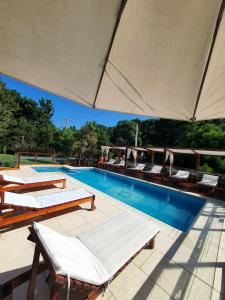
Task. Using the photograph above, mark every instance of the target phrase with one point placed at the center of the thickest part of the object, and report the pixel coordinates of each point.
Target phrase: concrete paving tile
(164, 243)
(218, 283)
(142, 257)
(168, 275)
(184, 256)
(196, 289)
(206, 266)
(216, 296)
(128, 283)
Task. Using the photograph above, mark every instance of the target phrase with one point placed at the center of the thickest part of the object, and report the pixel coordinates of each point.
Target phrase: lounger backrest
(181, 173)
(210, 178)
(8, 178)
(111, 161)
(69, 256)
(122, 163)
(156, 168)
(140, 166)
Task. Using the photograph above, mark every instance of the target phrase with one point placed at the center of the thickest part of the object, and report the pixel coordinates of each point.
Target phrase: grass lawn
(7, 160)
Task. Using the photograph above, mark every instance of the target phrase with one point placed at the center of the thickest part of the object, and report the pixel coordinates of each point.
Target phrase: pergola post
(153, 157)
(126, 157)
(198, 162)
(164, 164)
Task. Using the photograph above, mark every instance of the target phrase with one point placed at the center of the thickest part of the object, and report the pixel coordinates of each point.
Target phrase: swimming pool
(169, 206)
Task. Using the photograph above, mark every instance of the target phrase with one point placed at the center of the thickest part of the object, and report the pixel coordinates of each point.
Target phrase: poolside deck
(187, 265)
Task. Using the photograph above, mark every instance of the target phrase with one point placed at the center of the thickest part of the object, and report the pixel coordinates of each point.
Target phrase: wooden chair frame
(58, 282)
(210, 190)
(7, 218)
(20, 186)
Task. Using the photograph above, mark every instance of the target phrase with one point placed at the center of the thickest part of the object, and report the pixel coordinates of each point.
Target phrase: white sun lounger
(43, 205)
(155, 170)
(94, 258)
(139, 167)
(181, 175)
(120, 164)
(29, 182)
(209, 181)
(110, 162)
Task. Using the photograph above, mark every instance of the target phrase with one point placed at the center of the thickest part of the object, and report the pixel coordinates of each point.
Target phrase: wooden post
(164, 164)
(17, 160)
(53, 157)
(153, 157)
(126, 157)
(197, 162)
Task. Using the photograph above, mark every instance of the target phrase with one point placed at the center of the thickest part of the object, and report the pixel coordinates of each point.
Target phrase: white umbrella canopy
(161, 58)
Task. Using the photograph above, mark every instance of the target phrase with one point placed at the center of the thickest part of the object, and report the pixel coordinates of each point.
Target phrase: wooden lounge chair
(155, 170)
(89, 261)
(180, 176)
(29, 182)
(26, 207)
(136, 170)
(118, 166)
(110, 162)
(209, 182)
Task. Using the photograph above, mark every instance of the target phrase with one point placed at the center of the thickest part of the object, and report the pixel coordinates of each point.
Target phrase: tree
(87, 140)
(102, 135)
(65, 140)
(8, 104)
(124, 133)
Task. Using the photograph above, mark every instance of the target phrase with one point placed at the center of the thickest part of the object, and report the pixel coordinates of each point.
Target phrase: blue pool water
(172, 207)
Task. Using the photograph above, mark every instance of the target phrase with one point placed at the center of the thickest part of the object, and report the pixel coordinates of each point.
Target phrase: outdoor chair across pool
(181, 175)
(29, 182)
(121, 164)
(209, 181)
(136, 170)
(87, 262)
(155, 170)
(27, 207)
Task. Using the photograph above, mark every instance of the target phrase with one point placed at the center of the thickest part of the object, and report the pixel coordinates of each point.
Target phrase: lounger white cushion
(209, 180)
(181, 175)
(32, 179)
(154, 170)
(139, 167)
(117, 240)
(45, 201)
(110, 162)
(120, 164)
(69, 256)
(102, 251)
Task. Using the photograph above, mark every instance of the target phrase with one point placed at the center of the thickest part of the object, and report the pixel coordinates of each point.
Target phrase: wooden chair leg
(33, 278)
(93, 295)
(55, 291)
(93, 207)
(152, 243)
(64, 185)
(6, 293)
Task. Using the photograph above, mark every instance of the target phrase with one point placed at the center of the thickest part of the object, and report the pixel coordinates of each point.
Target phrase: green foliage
(206, 168)
(7, 160)
(123, 133)
(87, 140)
(26, 125)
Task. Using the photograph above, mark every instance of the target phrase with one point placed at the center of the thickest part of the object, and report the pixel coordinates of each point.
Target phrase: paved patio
(182, 266)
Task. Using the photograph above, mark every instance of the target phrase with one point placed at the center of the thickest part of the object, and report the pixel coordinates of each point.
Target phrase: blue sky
(66, 108)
